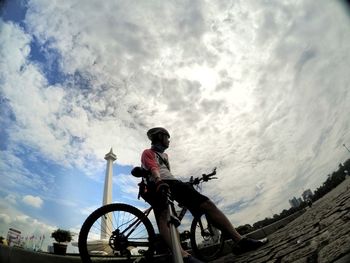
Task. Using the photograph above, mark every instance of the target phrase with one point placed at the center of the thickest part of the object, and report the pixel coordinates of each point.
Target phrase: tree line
(331, 182)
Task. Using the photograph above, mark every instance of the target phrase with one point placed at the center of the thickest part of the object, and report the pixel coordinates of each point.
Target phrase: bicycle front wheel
(116, 231)
(207, 241)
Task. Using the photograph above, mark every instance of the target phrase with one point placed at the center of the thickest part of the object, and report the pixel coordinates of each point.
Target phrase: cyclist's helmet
(154, 131)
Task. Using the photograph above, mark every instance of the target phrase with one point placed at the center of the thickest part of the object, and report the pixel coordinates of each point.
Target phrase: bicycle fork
(174, 222)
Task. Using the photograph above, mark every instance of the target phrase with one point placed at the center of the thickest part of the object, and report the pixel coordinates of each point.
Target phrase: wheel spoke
(125, 230)
(206, 240)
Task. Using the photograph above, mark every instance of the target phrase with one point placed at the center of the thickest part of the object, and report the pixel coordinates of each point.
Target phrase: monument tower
(106, 223)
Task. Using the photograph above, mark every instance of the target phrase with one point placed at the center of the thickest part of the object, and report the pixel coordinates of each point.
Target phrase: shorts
(184, 194)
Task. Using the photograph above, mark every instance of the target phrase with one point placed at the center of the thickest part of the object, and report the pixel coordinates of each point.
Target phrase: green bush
(61, 235)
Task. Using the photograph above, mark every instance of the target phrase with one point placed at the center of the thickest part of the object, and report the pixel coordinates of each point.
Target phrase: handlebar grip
(210, 175)
(204, 178)
(213, 172)
(196, 181)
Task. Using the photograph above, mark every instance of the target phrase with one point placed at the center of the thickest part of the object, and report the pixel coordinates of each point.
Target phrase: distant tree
(346, 164)
(332, 181)
(61, 235)
(245, 229)
(3, 240)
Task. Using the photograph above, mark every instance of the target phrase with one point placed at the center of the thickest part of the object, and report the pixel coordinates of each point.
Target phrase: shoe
(191, 259)
(248, 244)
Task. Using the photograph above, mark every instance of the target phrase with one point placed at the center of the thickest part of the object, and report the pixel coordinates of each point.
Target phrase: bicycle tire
(95, 244)
(207, 244)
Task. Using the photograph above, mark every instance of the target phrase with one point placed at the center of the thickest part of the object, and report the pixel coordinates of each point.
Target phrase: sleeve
(148, 160)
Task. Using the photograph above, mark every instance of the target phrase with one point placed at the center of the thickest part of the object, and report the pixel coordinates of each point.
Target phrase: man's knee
(207, 205)
(161, 215)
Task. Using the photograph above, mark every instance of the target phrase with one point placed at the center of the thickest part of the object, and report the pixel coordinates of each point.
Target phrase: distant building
(307, 195)
(13, 237)
(294, 202)
(300, 200)
(50, 249)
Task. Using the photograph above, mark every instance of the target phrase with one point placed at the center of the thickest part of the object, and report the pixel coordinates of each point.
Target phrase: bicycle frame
(179, 215)
(134, 226)
(127, 234)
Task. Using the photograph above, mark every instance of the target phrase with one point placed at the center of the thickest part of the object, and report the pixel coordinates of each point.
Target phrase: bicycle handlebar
(204, 178)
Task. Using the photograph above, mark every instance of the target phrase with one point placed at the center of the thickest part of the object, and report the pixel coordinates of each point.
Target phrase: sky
(258, 89)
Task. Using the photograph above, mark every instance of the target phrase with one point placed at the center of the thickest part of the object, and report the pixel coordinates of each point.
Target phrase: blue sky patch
(15, 10)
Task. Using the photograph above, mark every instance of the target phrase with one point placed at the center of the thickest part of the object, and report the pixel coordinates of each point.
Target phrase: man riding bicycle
(155, 160)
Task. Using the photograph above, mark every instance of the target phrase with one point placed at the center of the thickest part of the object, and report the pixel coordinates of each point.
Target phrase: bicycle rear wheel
(207, 241)
(116, 231)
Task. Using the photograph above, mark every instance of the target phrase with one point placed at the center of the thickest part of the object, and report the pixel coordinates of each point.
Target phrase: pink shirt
(152, 162)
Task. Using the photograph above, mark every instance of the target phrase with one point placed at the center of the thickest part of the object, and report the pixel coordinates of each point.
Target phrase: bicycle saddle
(139, 172)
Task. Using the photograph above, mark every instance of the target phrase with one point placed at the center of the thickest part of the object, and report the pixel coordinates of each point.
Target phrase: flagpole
(42, 241)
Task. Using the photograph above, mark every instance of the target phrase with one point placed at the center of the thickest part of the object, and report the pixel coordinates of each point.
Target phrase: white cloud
(4, 219)
(88, 210)
(11, 198)
(15, 174)
(126, 183)
(34, 201)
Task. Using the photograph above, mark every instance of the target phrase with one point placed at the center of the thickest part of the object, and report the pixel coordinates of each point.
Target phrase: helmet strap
(158, 147)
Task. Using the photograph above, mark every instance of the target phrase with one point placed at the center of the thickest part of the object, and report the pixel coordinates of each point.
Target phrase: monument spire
(107, 193)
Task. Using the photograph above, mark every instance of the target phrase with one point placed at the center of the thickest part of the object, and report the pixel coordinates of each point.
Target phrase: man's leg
(220, 220)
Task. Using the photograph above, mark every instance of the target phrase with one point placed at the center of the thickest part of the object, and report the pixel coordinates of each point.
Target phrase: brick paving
(320, 235)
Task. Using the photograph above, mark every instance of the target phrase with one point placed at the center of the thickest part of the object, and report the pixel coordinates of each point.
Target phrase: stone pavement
(321, 234)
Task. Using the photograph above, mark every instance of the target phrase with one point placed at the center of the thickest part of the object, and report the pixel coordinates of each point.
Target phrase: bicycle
(122, 231)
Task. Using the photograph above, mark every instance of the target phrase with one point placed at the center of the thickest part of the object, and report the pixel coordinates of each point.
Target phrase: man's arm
(148, 159)
(156, 176)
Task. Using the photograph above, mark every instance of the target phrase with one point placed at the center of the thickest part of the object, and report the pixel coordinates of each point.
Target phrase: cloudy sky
(259, 89)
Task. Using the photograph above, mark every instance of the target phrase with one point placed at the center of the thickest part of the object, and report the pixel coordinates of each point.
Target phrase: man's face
(165, 139)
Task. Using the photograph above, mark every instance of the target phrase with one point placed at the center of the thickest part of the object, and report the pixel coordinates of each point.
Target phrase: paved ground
(321, 234)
